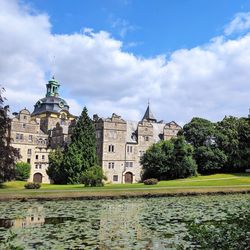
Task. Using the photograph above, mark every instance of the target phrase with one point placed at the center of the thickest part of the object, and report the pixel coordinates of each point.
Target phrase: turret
(52, 88)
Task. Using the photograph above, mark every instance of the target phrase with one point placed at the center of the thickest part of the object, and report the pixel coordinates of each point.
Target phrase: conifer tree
(80, 155)
(8, 154)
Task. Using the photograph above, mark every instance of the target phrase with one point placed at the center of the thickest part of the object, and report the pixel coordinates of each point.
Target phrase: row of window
(30, 138)
(38, 166)
(128, 164)
(37, 157)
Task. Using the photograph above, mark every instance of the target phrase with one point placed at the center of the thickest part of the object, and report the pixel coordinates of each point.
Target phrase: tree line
(202, 147)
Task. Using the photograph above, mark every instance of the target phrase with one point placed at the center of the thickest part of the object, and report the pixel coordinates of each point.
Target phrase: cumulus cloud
(209, 81)
(240, 23)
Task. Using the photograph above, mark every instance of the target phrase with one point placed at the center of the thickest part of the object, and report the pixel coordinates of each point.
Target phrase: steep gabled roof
(149, 115)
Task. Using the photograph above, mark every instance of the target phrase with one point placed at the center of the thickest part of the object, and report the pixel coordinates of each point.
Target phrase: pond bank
(40, 195)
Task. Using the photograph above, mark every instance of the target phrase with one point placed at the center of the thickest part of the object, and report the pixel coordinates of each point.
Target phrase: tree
(22, 171)
(228, 142)
(8, 154)
(55, 169)
(169, 160)
(244, 142)
(183, 163)
(80, 155)
(157, 160)
(198, 131)
(209, 159)
(93, 177)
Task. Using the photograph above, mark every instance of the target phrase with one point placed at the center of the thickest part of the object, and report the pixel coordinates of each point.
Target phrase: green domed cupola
(52, 87)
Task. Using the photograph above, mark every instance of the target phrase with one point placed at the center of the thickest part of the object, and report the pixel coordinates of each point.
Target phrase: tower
(52, 87)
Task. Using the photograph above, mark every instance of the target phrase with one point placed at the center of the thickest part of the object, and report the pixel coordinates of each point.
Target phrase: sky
(188, 58)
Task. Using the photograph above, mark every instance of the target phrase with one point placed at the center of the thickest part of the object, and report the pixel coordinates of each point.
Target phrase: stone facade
(120, 144)
(36, 134)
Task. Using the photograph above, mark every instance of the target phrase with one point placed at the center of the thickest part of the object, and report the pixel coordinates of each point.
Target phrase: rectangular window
(111, 148)
(115, 177)
(146, 138)
(24, 125)
(40, 166)
(17, 136)
(129, 164)
(43, 157)
(28, 160)
(36, 166)
(98, 134)
(36, 157)
(30, 137)
(129, 149)
(21, 136)
(111, 165)
(29, 151)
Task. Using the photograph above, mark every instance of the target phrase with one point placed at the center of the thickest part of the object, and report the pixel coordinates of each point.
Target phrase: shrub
(93, 177)
(32, 185)
(151, 181)
(22, 171)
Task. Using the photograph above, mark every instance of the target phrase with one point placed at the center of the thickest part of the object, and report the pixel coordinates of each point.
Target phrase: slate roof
(51, 104)
(149, 115)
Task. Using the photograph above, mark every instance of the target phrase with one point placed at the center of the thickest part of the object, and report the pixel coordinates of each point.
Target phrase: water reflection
(110, 224)
(35, 217)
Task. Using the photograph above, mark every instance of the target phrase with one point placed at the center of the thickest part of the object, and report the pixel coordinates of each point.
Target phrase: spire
(52, 87)
(149, 115)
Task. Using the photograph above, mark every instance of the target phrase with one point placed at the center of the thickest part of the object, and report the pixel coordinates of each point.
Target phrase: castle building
(121, 144)
(36, 134)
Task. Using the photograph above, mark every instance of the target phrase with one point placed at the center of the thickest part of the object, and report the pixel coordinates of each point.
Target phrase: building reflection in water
(35, 217)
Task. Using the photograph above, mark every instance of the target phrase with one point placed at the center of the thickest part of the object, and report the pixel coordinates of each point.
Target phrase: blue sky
(146, 27)
(190, 58)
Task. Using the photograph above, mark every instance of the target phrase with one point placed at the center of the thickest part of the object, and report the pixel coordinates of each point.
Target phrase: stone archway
(37, 177)
(128, 177)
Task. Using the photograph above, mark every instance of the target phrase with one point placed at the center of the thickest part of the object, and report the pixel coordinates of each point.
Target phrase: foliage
(244, 142)
(80, 155)
(169, 160)
(93, 177)
(232, 233)
(209, 159)
(8, 154)
(151, 181)
(157, 160)
(223, 146)
(32, 185)
(22, 171)
(55, 169)
(198, 131)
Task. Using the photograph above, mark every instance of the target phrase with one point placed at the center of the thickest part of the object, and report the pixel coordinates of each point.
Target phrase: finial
(148, 102)
(53, 63)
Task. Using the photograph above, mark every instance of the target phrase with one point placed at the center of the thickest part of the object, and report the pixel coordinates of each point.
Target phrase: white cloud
(240, 23)
(208, 81)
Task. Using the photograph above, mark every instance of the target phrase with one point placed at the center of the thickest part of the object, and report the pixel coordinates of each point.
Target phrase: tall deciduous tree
(80, 155)
(55, 169)
(169, 160)
(198, 131)
(228, 141)
(8, 154)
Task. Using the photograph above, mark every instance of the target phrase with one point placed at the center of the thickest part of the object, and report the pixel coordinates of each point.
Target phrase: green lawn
(216, 180)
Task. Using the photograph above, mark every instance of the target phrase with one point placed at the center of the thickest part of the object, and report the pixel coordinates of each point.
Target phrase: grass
(201, 184)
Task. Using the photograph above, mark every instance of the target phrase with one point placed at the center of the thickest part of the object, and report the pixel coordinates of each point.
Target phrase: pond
(198, 222)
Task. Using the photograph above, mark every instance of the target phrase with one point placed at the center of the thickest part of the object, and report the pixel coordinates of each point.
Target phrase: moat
(154, 223)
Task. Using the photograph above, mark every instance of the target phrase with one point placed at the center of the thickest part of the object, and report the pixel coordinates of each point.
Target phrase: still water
(155, 223)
